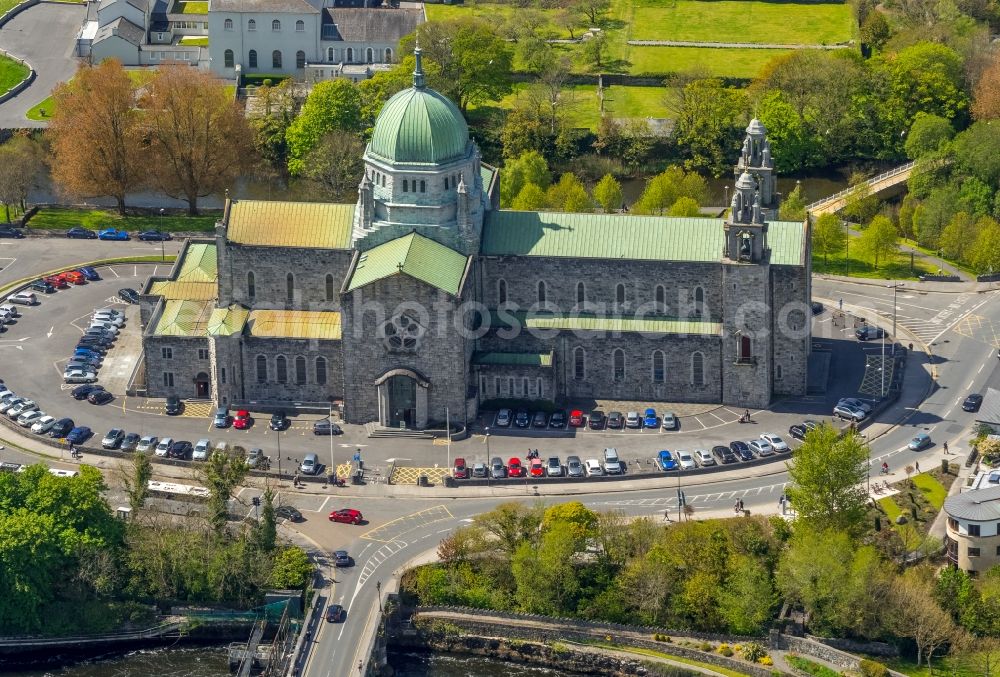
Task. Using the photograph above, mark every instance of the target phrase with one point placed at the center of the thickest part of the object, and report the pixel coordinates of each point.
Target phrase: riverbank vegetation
(835, 562)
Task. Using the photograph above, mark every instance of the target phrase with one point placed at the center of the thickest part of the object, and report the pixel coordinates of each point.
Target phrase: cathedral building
(425, 299)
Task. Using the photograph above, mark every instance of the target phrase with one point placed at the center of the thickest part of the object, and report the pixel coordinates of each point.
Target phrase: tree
(568, 20)
(568, 195)
(221, 474)
(291, 569)
(629, 141)
(197, 134)
(336, 164)
(96, 134)
(510, 524)
(708, 124)
(608, 194)
(574, 518)
(135, 480)
(20, 165)
(879, 240)
(685, 207)
(829, 236)
(928, 77)
(270, 121)
(554, 555)
(592, 9)
(986, 96)
(916, 615)
(959, 236)
(747, 600)
(594, 50)
(530, 199)
(793, 207)
(666, 188)
(875, 31)
(827, 474)
(332, 106)
(475, 62)
(859, 205)
(986, 253)
(266, 529)
(927, 134)
(530, 167)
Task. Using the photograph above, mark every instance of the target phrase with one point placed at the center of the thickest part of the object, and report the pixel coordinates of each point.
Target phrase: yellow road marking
(435, 513)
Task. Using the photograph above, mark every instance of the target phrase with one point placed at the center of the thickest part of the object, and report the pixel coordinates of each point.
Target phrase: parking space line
(114, 271)
(717, 416)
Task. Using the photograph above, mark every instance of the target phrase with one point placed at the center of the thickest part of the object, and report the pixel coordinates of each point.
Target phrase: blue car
(112, 234)
(666, 460)
(921, 441)
(78, 435)
(649, 419)
(89, 273)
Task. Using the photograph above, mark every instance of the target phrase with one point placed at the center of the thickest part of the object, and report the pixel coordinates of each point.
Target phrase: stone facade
(175, 364)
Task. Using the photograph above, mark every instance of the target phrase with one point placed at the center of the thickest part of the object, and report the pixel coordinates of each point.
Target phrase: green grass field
(63, 218)
(194, 41)
(189, 7)
(583, 109)
(933, 491)
(810, 667)
(41, 110)
(897, 269)
(679, 659)
(734, 63)
(11, 73)
(742, 21)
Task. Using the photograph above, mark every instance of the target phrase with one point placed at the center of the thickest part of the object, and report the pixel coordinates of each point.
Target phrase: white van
(612, 465)
(310, 465)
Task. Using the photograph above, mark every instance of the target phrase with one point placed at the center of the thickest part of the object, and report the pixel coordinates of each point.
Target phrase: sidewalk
(970, 287)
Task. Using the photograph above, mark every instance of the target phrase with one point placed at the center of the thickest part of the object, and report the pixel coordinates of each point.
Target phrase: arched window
(329, 287)
(370, 55)
(253, 58)
(699, 299)
(321, 370)
(281, 369)
(275, 25)
(276, 59)
(620, 294)
(289, 288)
(541, 291)
(697, 369)
(261, 369)
(501, 292)
(618, 364)
(228, 24)
(300, 59)
(329, 54)
(423, 186)
(388, 55)
(350, 55)
(406, 186)
(745, 350)
(300, 370)
(300, 26)
(228, 60)
(251, 25)
(446, 183)
(659, 367)
(661, 299)
(581, 293)
(251, 286)
(579, 363)
(777, 371)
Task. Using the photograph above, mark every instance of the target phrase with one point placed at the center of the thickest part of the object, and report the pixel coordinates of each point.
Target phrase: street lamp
(163, 255)
(378, 590)
(487, 441)
(725, 196)
(894, 288)
(333, 466)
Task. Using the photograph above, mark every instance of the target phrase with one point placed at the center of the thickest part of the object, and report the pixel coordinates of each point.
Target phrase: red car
(74, 276)
(537, 469)
(243, 420)
(57, 281)
(514, 468)
(347, 516)
(576, 418)
(461, 470)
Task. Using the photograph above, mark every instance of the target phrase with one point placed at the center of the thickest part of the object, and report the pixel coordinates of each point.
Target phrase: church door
(402, 401)
(201, 385)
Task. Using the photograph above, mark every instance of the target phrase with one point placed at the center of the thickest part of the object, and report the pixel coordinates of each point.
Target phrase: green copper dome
(418, 125)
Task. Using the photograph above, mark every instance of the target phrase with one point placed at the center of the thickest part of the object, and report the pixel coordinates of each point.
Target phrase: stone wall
(521, 382)
(290, 390)
(746, 312)
(185, 362)
(791, 325)
(811, 647)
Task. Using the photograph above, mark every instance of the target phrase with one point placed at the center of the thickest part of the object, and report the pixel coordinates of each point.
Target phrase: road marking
(51, 329)
(114, 271)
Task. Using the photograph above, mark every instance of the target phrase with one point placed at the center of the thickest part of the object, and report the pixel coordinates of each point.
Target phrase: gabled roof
(619, 236)
(190, 291)
(302, 324)
(265, 223)
(201, 264)
(197, 276)
(138, 4)
(227, 321)
(124, 29)
(370, 25)
(582, 322)
(254, 6)
(416, 256)
(200, 318)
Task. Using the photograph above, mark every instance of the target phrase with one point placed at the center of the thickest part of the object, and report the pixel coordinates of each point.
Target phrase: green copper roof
(419, 126)
(227, 321)
(618, 236)
(200, 264)
(514, 359)
(415, 255)
(642, 325)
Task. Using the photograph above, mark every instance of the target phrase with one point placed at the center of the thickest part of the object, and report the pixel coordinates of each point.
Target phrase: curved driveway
(44, 36)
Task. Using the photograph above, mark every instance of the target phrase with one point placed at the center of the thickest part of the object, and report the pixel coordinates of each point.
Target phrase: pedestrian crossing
(915, 314)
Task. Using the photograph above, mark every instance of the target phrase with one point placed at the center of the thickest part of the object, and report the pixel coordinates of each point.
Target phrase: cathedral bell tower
(746, 229)
(755, 159)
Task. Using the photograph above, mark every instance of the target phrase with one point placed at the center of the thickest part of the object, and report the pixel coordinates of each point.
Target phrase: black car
(341, 558)
(94, 341)
(130, 442)
(325, 426)
(154, 235)
(181, 450)
(742, 450)
(279, 421)
(724, 454)
(173, 405)
(810, 424)
(128, 295)
(288, 512)
(7, 231)
(817, 307)
(334, 613)
(558, 419)
(869, 333)
(521, 418)
(81, 233)
(798, 431)
(42, 286)
(81, 392)
(61, 428)
(100, 397)
(616, 420)
(596, 420)
(972, 402)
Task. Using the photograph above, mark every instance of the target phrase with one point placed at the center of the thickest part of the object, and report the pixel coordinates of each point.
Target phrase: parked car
(460, 471)
(593, 467)
(666, 460)
(222, 418)
(537, 468)
(514, 467)
(669, 421)
(43, 286)
(78, 435)
(498, 470)
(81, 233)
(257, 459)
(856, 403)
(597, 420)
(146, 444)
(288, 512)
(128, 295)
(23, 298)
(112, 234)
(347, 516)
(8, 231)
(846, 411)
(921, 441)
(117, 320)
(173, 405)
(521, 418)
(576, 418)
(310, 465)
(100, 397)
(279, 421)
(130, 442)
(75, 277)
(558, 419)
(164, 446)
(113, 439)
(90, 272)
(724, 454)
(816, 307)
(632, 420)
(21, 407)
(612, 465)
(9, 402)
(154, 236)
(553, 467)
(57, 281)
(243, 420)
(503, 418)
(27, 419)
(334, 613)
(972, 402)
(180, 450)
(685, 460)
(43, 425)
(761, 448)
(325, 426)
(704, 457)
(480, 470)
(540, 420)
(574, 468)
(61, 428)
(649, 419)
(776, 442)
(616, 420)
(201, 449)
(869, 333)
(341, 558)
(798, 431)
(810, 424)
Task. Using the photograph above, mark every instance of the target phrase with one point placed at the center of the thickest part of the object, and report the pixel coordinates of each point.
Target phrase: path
(731, 45)
(935, 262)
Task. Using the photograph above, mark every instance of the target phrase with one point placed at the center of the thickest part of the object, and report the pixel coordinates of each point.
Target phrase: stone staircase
(379, 431)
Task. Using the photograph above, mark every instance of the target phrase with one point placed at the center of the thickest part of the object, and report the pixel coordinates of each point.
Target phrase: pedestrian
(736, 507)
(741, 505)
(666, 515)
(885, 468)
(946, 447)
(781, 503)
(916, 464)
(295, 480)
(840, 302)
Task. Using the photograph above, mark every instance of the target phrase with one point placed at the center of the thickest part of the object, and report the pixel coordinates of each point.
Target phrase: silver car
(761, 448)
(856, 403)
(146, 444)
(9, 403)
(685, 460)
(28, 418)
(21, 407)
(498, 470)
(574, 468)
(847, 411)
(201, 448)
(704, 457)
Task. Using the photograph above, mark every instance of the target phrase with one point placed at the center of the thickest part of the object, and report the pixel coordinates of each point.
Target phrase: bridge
(883, 185)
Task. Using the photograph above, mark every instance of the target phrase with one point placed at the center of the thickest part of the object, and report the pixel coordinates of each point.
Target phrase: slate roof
(978, 505)
(317, 225)
(620, 236)
(370, 25)
(619, 324)
(416, 256)
(124, 29)
(989, 410)
(281, 6)
(303, 324)
(513, 359)
(138, 4)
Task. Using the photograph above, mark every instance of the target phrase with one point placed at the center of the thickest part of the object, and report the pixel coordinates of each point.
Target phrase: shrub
(725, 650)
(753, 651)
(706, 646)
(765, 660)
(870, 668)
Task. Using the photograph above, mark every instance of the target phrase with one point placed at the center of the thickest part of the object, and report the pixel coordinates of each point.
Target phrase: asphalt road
(43, 36)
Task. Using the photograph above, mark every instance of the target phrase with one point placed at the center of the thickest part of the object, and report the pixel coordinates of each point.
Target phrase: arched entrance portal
(201, 385)
(402, 399)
